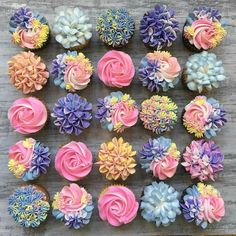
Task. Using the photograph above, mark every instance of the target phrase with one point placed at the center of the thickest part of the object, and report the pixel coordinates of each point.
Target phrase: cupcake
(159, 27)
(203, 160)
(72, 114)
(72, 28)
(117, 112)
(71, 71)
(204, 117)
(160, 157)
(158, 114)
(28, 159)
(158, 70)
(27, 72)
(160, 204)
(202, 204)
(115, 27)
(73, 205)
(116, 159)
(29, 29)
(29, 205)
(74, 161)
(116, 69)
(117, 205)
(203, 29)
(27, 115)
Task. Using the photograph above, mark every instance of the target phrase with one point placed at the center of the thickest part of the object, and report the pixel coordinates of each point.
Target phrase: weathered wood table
(137, 135)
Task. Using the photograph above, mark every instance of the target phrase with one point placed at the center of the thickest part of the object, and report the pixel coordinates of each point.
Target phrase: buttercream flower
(74, 161)
(116, 69)
(117, 205)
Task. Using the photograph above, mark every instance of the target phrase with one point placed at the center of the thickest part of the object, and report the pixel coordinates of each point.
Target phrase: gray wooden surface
(137, 135)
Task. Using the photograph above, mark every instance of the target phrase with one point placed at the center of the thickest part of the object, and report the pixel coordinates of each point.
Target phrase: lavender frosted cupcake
(72, 114)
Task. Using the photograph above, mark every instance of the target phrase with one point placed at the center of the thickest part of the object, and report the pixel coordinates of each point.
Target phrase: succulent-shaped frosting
(204, 117)
(72, 114)
(203, 72)
(72, 28)
(160, 156)
(158, 70)
(29, 206)
(27, 72)
(115, 27)
(160, 204)
(71, 71)
(202, 204)
(159, 114)
(73, 205)
(158, 27)
(29, 29)
(116, 159)
(117, 111)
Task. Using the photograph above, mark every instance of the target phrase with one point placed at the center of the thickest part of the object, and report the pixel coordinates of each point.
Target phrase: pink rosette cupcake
(27, 115)
(117, 205)
(116, 69)
(74, 161)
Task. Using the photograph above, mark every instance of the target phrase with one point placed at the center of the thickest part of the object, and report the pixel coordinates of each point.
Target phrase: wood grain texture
(137, 135)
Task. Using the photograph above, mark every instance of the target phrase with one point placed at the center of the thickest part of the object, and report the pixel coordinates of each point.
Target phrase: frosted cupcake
(158, 70)
(204, 117)
(160, 204)
(29, 29)
(116, 69)
(115, 27)
(202, 204)
(117, 112)
(72, 114)
(27, 115)
(74, 161)
(72, 28)
(116, 159)
(204, 29)
(27, 72)
(28, 159)
(158, 114)
(73, 205)
(117, 205)
(159, 27)
(29, 205)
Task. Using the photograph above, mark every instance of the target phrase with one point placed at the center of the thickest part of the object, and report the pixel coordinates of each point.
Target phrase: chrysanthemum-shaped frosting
(158, 70)
(160, 156)
(29, 205)
(158, 27)
(28, 159)
(202, 204)
(204, 117)
(159, 114)
(115, 27)
(27, 72)
(29, 29)
(117, 111)
(204, 28)
(72, 28)
(117, 205)
(203, 160)
(116, 159)
(160, 204)
(27, 115)
(73, 205)
(71, 71)
(72, 114)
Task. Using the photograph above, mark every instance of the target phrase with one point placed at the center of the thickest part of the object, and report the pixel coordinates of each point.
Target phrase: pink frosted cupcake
(27, 115)
(74, 161)
(117, 205)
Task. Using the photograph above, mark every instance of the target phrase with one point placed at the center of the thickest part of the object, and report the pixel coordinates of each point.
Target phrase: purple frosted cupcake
(72, 114)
